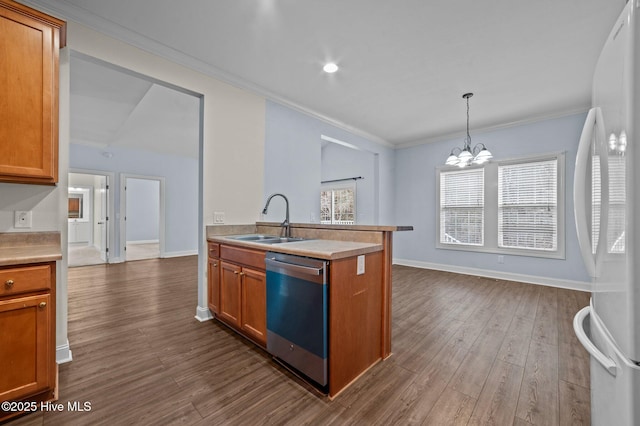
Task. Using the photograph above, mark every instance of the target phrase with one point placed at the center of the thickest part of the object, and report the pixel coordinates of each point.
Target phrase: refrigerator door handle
(578, 327)
(579, 194)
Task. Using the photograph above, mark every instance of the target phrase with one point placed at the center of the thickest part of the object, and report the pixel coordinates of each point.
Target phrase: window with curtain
(338, 204)
(513, 206)
(528, 205)
(462, 207)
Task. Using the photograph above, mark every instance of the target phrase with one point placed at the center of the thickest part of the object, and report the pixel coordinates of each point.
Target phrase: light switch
(218, 217)
(360, 265)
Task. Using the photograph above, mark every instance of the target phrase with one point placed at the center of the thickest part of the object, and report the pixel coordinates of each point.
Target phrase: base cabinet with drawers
(27, 333)
(237, 290)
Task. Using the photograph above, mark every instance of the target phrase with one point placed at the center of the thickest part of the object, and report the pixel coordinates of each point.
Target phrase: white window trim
(491, 209)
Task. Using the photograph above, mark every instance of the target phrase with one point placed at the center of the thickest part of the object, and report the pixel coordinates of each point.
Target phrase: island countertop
(19, 248)
(327, 242)
(316, 248)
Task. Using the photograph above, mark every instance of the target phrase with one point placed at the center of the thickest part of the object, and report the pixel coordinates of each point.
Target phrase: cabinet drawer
(243, 256)
(14, 280)
(214, 250)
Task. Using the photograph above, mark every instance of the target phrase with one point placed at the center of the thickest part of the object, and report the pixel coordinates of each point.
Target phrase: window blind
(528, 205)
(617, 204)
(462, 207)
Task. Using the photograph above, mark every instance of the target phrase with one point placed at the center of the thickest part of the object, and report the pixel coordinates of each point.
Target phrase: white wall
(293, 165)
(416, 204)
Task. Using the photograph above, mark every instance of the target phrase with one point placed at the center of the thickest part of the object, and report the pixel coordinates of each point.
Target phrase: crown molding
(487, 129)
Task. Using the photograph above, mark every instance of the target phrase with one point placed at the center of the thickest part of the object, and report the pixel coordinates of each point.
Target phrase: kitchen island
(359, 323)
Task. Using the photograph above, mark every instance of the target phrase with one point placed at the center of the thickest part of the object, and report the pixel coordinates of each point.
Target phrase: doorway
(142, 217)
(88, 218)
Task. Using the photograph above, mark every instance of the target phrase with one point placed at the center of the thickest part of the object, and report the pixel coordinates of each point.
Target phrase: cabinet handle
(236, 272)
(241, 274)
(215, 265)
(42, 305)
(9, 283)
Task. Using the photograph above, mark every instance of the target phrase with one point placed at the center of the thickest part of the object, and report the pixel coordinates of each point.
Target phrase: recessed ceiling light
(330, 68)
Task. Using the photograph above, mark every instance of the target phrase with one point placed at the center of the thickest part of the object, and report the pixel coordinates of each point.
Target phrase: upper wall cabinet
(29, 44)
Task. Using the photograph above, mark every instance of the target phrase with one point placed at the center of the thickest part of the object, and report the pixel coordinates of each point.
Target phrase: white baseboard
(63, 353)
(203, 314)
(143, 242)
(180, 253)
(509, 276)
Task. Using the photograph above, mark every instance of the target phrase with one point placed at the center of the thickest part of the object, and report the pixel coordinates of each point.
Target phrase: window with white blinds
(617, 203)
(528, 205)
(462, 207)
(513, 206)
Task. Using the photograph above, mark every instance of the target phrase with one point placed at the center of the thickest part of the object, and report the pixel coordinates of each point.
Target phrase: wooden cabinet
(29, 43)
(27, 332)
(230, 293)
(214, 278)
(253, 305)
(238, 290)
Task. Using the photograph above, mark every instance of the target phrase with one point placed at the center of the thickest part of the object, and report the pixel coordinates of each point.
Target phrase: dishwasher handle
(307, 270)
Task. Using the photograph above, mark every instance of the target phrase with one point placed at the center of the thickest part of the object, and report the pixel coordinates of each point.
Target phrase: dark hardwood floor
(466, 350)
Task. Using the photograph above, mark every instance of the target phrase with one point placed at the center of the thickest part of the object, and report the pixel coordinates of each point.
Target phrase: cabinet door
(254, 305)
(29, 102)
(230, 280)
(214, 285)
(25, 349)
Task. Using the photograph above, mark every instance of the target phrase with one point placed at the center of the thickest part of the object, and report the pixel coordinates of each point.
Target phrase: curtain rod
(340, 180)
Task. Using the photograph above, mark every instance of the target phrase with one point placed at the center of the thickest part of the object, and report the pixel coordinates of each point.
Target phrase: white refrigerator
(607, 212)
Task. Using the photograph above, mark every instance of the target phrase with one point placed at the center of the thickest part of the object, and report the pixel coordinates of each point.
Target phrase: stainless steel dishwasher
(297, 313)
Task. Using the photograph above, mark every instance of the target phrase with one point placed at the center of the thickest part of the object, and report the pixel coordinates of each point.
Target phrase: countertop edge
(21, 248)
(389, 228)
(299, 247)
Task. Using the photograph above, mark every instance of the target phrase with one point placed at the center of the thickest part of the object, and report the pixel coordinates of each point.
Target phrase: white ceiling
(403, 64)
(110, 107)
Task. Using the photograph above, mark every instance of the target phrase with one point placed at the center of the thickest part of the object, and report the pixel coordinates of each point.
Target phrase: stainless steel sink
(252, 237)
(265, 239)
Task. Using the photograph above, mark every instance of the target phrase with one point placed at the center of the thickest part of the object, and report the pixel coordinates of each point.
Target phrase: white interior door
(103, 218)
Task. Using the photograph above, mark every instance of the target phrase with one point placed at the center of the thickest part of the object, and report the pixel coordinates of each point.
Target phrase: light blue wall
(340, 162)
(143, 210)
(181, 189)
(293, 164)
(415, 198)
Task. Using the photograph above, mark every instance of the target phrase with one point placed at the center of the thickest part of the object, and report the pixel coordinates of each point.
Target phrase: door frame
(123, 212)
(110, 176)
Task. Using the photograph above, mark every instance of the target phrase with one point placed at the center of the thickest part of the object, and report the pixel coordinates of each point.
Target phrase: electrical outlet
(360, 267)
(500, 258)
(22, 219)
(218, 217)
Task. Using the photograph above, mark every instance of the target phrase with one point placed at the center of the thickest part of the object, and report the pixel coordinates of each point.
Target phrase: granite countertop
(17, 248)
(319, 249)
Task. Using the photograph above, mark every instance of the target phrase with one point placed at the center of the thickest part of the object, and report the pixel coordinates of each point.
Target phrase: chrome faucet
(285, 225)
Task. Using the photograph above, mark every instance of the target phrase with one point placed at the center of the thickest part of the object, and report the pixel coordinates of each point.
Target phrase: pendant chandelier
(466, 155)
